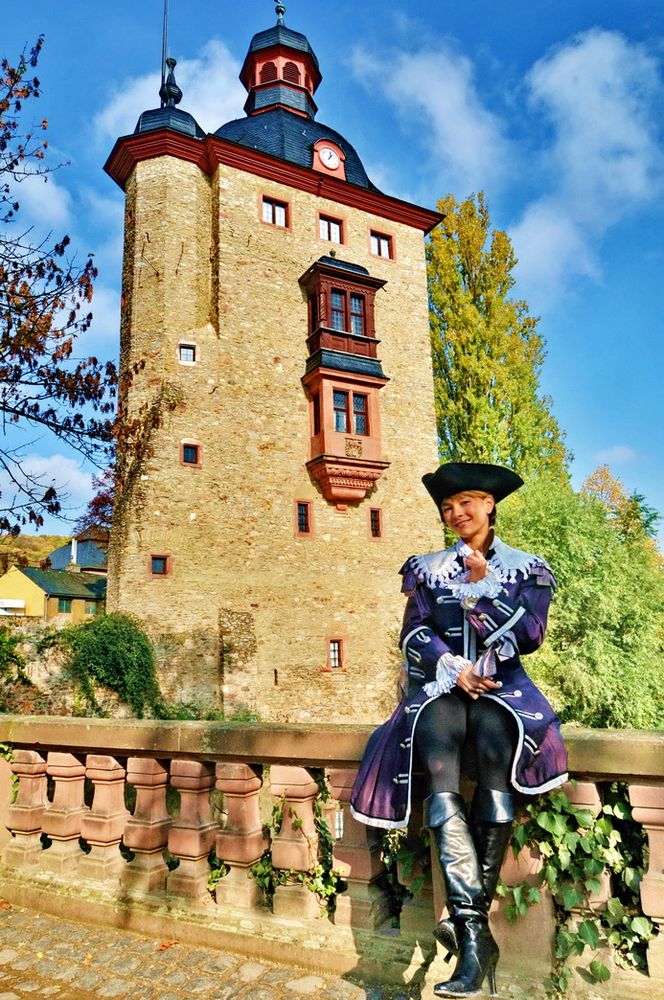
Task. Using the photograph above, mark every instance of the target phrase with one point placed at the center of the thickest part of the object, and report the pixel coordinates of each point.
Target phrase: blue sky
(553, 107)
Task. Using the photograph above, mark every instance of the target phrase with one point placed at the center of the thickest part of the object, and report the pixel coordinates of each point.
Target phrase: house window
(347, 312)
(275, 213)
(303, 517)
(382, 245)
(330, 229)
(187, 354)
(341, 420)
(191, 454)
(315, 402)
(91, 607)
(376, 522)
(64, 605)
(360, 415)
(160, 565)
(335, 654)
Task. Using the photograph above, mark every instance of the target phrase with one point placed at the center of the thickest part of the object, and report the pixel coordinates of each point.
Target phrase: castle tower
(277, 401)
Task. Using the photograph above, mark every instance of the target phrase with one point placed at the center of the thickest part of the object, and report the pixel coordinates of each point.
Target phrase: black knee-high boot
(491, 818)
(445, 815)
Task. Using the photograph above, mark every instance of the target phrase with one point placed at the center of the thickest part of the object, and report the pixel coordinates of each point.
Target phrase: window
(160, 565)
(268, 72)
(64, 605)
(330, 229)
(376, 522)
(360, 417)
(275, 213)
(315, 402)
(303, 517)
(335, 654)
(347, 312)
(341, 421)
(191, 454)
(381, 245)
(187, 354)
(91, 607)
(291, 73)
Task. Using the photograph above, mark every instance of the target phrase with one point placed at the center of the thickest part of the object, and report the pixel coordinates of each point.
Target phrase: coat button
(403, 746)
(406, 710)
(482, 617)
(538, 715)
(495, 603)
(395, 781)
(439, 600)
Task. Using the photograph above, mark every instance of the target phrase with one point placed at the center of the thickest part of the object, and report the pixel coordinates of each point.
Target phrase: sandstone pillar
(104, 824)
(146, 833)
(296, 845)
(25, 816)
(193, 833)
(586, 796)
(648, 809)
(64, 815)
(242, 841)
(357, 857)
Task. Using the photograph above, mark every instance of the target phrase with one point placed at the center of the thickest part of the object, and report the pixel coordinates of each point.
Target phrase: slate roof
(88, 554)
(291, 137)
(343, 265)
(174, 118)
(56, 583)
(281, 35)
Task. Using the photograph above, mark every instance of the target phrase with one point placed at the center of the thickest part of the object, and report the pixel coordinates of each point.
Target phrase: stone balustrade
(119, 822)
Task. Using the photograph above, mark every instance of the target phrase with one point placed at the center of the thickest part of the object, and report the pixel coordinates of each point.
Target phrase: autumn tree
(45, 296)
(487, 353)
(631, 515)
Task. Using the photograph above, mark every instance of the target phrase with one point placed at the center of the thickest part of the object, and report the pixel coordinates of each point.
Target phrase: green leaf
(632, 878)
(642, 926)
(584, 818)
(571, 897)
(615, 908)
(599, 972)
(593, 885)
(589, 933)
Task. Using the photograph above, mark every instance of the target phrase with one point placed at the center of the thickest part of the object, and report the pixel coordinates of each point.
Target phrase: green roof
(59, 583)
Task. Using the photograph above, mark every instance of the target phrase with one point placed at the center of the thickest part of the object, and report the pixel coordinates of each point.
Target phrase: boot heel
(491, 973)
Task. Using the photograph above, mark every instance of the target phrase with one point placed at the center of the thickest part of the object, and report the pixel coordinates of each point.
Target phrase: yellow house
(47, 594)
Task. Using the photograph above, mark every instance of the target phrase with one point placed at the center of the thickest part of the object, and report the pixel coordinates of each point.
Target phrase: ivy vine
(577, 849)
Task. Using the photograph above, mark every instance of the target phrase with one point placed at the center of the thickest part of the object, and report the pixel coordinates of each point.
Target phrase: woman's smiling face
(467, 514)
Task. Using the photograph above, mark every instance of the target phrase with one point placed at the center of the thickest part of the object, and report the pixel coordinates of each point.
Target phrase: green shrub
(9, 654)
(114, 651)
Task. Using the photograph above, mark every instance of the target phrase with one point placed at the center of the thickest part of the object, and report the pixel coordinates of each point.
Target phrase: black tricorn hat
(456, 477)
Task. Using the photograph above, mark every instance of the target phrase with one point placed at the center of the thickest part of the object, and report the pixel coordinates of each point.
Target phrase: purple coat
(447, 623)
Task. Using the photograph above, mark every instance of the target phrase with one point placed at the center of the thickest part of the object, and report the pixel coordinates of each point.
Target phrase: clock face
(329, 158)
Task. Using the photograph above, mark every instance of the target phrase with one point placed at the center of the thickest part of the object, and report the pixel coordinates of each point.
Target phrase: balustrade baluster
(585, 795)
(64, 815)
(193, 833)
(296, 845)
(146, 832)
(102, 827)
(242, 841)
(648, 809)
(24, 818)
(357, 856)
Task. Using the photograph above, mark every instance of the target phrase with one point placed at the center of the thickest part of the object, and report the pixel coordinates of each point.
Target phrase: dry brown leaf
(165, 945)
(4, 905)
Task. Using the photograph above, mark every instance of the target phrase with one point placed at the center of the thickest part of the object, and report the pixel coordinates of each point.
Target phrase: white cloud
(466, 141)
(599, 93)
(618, 454)
(73, 484)
(212, 93)
(44, 203)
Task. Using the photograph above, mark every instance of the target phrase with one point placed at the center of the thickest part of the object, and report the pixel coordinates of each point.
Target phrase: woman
(472, 610)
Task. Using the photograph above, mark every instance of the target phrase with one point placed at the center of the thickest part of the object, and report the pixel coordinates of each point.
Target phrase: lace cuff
(448, 669)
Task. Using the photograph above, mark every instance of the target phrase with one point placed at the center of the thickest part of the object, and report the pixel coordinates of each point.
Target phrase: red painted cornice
(208, 153)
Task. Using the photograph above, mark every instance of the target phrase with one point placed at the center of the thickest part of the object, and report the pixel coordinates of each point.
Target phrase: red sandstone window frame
(335, 662)
(309, 518)
(325, 219)
(382, 239)
(188, 443)
(168, 565)
(274, 203)
(376, 519)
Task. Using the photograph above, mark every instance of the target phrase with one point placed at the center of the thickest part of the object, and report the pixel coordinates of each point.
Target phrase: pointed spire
(281, 10)
(169, 92)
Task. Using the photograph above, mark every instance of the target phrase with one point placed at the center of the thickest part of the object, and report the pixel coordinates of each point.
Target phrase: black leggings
(455, 725)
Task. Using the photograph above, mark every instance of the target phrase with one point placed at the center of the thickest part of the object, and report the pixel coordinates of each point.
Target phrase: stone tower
(277, 401)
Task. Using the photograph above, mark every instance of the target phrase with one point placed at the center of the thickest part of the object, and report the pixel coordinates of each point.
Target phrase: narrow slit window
(315, 402)
(376, 522)
(335, 653)
(303, 518)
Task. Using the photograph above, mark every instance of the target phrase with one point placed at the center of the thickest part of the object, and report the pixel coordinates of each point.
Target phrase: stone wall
(201, 267)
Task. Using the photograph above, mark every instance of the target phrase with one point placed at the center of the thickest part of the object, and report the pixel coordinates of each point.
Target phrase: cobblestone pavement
(43, 956)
